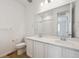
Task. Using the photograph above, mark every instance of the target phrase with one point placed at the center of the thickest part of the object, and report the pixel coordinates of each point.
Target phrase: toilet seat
(20, 45)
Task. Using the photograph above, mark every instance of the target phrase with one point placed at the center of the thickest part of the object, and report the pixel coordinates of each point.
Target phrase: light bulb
(46, 1)
(42, 3)
(51, 0)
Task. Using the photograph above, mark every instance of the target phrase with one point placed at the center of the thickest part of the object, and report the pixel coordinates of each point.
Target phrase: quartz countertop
(73, 43)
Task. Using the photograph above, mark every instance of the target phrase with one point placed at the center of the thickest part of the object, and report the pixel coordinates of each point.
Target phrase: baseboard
(8, 53)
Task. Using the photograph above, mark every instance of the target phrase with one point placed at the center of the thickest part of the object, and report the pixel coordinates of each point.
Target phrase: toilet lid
(20, 44)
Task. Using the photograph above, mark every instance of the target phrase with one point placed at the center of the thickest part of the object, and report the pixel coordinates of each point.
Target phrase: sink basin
(68, 42)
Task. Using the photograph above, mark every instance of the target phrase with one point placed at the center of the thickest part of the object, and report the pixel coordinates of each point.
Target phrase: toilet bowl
(20, 47)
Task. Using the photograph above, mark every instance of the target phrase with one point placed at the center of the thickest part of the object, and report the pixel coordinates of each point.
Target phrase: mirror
(56, 22)
(63, 24)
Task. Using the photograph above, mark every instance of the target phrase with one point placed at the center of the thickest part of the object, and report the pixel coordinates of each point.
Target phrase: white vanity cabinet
(29, 47)
(53, 51)
(38, 51)
(70, 53)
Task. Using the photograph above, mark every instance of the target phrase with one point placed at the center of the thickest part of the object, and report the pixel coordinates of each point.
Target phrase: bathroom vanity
(53, 27)
(51, 47)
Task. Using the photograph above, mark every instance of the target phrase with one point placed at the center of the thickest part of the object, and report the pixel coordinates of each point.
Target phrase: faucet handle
(69, 34)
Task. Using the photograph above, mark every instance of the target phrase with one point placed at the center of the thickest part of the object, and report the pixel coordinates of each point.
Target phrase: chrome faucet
(40, 34)
(63, 38)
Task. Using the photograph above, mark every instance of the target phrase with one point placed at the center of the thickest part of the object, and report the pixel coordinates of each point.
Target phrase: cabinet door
(69, 53)
(38, 50)
(53, 51)
(29, 47)
(46, 50)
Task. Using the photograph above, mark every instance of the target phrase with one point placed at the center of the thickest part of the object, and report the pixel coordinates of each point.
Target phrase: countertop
(72, 43)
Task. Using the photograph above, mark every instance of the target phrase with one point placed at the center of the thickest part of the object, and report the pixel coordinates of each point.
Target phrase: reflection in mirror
(56, 22)
(63, 24)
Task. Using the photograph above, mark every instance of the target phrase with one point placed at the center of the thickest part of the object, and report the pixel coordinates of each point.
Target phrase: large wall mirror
(56, 22)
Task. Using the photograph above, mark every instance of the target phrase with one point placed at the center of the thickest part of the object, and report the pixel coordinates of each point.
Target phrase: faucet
(63, 38)
(40, 35)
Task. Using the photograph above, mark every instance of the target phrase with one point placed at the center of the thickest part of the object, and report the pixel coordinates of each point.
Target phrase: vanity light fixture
(51, 0)
(46, 2)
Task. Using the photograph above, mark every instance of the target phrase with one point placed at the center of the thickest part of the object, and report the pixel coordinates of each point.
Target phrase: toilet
(20, 47)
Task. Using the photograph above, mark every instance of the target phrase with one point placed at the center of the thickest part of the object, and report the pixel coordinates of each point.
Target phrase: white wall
(29, 20)
(11, 25)
(31, 10)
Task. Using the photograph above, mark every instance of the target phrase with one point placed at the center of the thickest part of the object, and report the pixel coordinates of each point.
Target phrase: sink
(68, 42)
